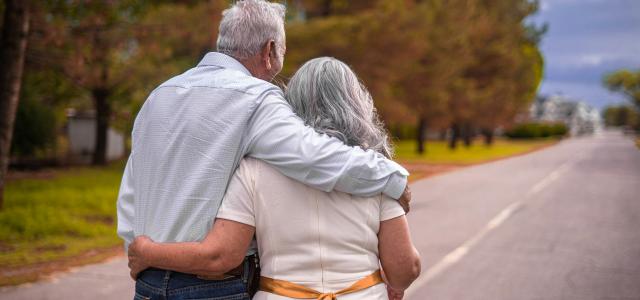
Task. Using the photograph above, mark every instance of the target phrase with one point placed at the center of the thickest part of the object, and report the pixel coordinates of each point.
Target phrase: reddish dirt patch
(27, 273)
(4, 248)
(54, 248)
(420, 171)
(13, 175)
(424, 170)
(107, 220)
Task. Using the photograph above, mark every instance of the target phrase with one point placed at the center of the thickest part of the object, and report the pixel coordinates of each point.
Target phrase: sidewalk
(108, 280)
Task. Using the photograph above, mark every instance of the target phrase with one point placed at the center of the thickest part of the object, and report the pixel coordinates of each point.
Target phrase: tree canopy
(626, 82)
(465, 65)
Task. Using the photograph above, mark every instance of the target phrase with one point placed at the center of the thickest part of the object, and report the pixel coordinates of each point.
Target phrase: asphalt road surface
(561, 223)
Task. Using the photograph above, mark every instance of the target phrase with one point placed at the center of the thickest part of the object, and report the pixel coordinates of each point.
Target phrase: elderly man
(193, 130)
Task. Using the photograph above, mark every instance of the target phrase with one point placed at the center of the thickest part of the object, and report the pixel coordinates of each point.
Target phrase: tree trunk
(13, 46)
(326, 8)
(421, 134)
(488, 136)
(467, 134)
(103, 112)
(443, 135)
(455, 135)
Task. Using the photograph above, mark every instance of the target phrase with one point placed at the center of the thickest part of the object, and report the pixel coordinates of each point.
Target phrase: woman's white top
(323, 240)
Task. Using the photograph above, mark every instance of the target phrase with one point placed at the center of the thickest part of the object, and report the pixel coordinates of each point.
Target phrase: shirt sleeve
(237, 204)
(126, 205)
(389, 209)
(279, 137)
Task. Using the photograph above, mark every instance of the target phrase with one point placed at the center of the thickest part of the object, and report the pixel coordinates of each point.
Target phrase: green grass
(61, 217)
(437, 152)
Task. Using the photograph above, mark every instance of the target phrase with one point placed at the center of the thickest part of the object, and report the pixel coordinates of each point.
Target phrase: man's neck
(253, 65)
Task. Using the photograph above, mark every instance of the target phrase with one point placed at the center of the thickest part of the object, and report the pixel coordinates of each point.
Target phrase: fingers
(394, 294)
(405, 200)
(405, 206)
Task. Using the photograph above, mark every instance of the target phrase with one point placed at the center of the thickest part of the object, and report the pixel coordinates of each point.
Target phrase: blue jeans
(169, 285)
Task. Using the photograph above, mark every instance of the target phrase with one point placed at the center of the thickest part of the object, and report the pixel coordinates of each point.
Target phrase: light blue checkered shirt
(191, 133)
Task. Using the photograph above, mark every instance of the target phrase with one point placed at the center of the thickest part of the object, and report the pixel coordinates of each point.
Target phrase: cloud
(590, 59)
(587, 39)
(591, 93)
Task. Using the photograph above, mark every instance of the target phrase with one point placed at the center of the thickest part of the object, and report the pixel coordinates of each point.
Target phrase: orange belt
(292, 290)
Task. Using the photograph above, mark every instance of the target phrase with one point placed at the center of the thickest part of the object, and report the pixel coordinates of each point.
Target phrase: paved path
(561, 223)
(109, 280)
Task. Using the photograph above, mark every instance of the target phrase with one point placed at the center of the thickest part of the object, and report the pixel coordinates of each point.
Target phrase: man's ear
(265, 56)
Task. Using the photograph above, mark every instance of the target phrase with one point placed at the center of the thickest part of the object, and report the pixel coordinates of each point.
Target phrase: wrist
(146, 251)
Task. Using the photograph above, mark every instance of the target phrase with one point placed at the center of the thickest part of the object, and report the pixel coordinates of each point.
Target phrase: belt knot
(327, 296)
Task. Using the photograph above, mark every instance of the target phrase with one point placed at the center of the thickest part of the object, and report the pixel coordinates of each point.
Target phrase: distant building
(579, 117)
(81, 131)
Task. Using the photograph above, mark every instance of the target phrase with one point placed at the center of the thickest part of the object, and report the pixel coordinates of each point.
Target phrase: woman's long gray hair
(328, 96)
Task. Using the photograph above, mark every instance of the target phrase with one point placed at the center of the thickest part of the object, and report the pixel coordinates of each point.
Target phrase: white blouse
(322, 240)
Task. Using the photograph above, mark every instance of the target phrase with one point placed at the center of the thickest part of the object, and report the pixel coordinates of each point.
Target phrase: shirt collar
(224, 61)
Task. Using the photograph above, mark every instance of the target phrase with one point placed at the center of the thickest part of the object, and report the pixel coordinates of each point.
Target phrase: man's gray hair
(248, 25)
(328, 96)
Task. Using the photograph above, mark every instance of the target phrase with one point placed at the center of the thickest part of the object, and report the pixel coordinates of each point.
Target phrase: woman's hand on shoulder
(135, 252)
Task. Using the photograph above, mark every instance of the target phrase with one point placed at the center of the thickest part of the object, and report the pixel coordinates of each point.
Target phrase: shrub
(35, 128)
(559, 129)
(537, 130)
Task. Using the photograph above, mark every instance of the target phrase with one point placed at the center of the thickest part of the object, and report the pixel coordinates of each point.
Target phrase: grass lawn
(437, 152)
(58, 218)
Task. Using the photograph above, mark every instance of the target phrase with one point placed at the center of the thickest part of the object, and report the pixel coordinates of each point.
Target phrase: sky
(587, 39)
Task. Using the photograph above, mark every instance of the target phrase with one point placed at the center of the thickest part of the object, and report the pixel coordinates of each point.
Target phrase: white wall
(82, 138)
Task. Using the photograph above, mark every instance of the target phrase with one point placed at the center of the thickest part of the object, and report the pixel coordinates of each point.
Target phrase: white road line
(457, 254)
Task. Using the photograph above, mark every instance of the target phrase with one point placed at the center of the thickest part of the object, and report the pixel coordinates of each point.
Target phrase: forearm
(223, 249)
(400, 276)
(192, 258)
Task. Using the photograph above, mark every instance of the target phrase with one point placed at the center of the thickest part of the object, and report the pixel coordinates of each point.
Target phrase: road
(560, 223)
(108, 280)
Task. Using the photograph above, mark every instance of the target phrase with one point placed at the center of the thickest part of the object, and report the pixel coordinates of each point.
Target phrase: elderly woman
(312, 244)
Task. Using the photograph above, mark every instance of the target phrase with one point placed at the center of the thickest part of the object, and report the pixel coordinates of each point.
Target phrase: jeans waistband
(169, 280)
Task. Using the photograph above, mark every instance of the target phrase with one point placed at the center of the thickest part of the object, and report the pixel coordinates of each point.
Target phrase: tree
(622, 116)
(514, 64)
(432, 74)
(13, 45)
(91, 43)
(626, 82)
(506, 69)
